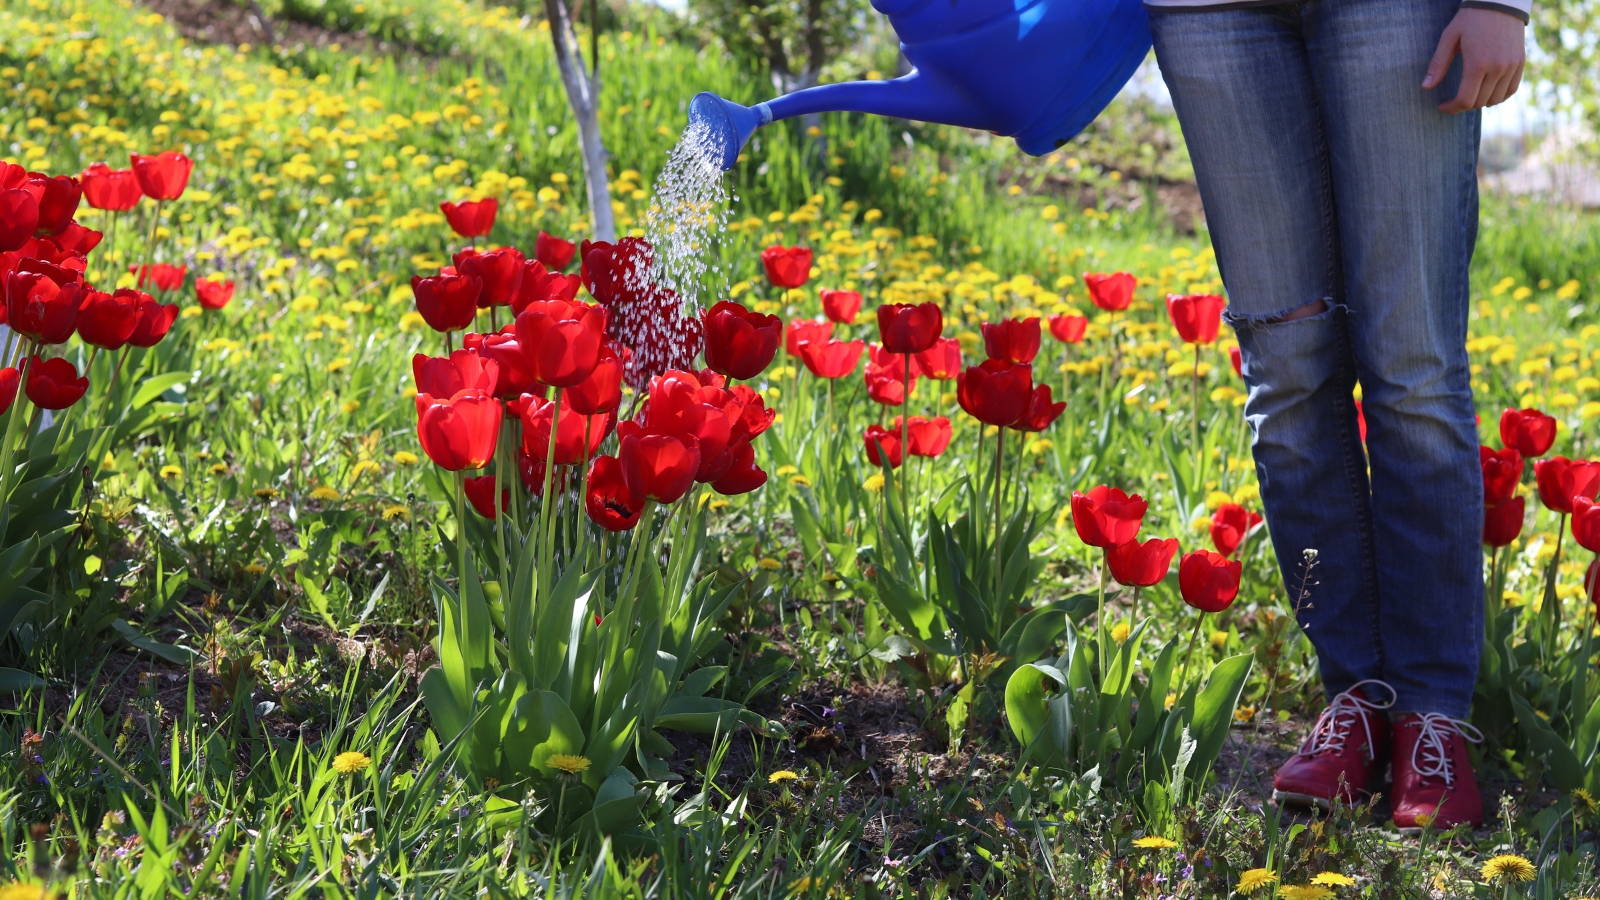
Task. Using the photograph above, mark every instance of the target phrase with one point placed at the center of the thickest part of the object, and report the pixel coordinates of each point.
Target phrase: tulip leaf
(1565, 770)
(155, 386)
(1213, 711)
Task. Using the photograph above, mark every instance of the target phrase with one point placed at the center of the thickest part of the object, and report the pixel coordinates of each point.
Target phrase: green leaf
(1040, 721)
(1213, 711)
(156, 386)
(698, 714)
(1565, 770)
(18, 680)
(170, 652)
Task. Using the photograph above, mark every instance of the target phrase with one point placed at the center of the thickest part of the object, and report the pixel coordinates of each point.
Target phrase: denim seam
(1354, 476)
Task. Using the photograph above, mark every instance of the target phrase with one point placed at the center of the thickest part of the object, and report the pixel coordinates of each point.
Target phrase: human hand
(1492, 55)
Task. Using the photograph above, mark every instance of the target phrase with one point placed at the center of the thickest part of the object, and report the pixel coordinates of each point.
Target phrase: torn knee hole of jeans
(1315, 308)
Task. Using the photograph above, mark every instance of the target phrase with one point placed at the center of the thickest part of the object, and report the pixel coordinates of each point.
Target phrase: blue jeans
(1332, 182)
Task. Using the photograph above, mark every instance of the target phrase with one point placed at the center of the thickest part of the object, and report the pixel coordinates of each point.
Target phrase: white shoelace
(1333, 726)
(1436, 760)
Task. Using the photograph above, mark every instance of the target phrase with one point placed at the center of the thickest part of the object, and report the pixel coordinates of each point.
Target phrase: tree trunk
(583, 93)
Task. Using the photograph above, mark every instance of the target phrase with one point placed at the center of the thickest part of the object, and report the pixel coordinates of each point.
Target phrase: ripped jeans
(1343, 207)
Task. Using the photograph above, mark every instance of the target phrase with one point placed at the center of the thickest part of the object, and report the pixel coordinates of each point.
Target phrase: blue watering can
(1037, 71)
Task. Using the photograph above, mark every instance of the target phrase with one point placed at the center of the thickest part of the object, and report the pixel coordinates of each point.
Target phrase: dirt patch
(244, 22)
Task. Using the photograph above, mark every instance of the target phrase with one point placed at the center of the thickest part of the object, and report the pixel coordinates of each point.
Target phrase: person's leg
(1243, 87)
(1405, 189)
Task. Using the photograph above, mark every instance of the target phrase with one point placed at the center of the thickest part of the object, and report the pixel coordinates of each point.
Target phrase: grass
(266, 521)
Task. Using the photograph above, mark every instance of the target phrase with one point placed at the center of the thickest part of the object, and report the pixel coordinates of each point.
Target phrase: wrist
(1517, 9)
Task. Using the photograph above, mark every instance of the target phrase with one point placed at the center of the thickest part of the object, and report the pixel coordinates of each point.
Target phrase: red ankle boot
(1432, 774)
(1344, 753)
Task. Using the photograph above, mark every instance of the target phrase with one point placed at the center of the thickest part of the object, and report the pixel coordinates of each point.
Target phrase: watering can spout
(727, 125)
(1037, 71)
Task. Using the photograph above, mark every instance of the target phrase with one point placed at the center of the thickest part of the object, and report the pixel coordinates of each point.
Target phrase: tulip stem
(461, 538)
(500, 513)
(583, 494)
(111, 387)
(1133, 616)
(1100, 618)
(18, 411)
(547, 501)
(999, 448)
(1194, 394)
(1491, 593)
(150, 248)
(1194, 639)
(905, 431)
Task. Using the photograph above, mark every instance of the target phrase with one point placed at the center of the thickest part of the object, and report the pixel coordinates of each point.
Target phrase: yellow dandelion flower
(568, 763)
(338, 363)
(266, 493)
(1244, 713)
(1333, 879)
(1120, 632)
(390, 513)
(874, 482)
(1305, 892)
(351, 762)
(22, 890)
(800, 481)
(769, 563)
(405, 458)
(254, 569)
(1507, 868)
(219, 468)
(1155, 842)
(324, 492)
(1252, 880)
(1584, 799)
(780, 776)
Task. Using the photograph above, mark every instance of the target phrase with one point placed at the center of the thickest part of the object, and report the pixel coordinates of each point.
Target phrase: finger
(1486, 89)
(1503, 88)
(1471, 83)
(1449, 42)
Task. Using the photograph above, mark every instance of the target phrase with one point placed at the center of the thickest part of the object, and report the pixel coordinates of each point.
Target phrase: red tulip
(555, 253)
(1503, 523)
(829, 358)
(799, 331)
(754, 418)
(659, 467)
(1586, 523)
(459, 433)
(927, 437)
(681, 403)
(1106, 517)
(739, 343)
(42, 302)
(886, 377)
(54, 383)
(107, 320)
(1529, 431)
(878, 438)
(1236, 359)
(1208, 581)
(445, 376)
(743, 475)
(1110, 292)
(538, 285)
(1041, 412)
(609, 503)
(1196, 316)
(480, 493)
(165, 277)
(500, 271)
(153, 322)
(570, 430)
(163, 176)
(213, 294)
(1502, 472)
(1141, 565)
(787, 267)
(995, 393)
(841, 306)
(471, 218)
(601, 392)
(447, 302)
(904, 328)
(19, 218)
(1230, 525)
(111, 189)
(58, 202)
(514, 377)
(1069, 327)
(77, 239)
(561, 340)
(1561, 479)
(942, 361)
(10, 380)
(530, 469)
(615, 273)
(1012, 340)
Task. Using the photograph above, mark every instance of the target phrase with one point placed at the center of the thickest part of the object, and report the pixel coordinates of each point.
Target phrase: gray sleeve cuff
(1519, 8)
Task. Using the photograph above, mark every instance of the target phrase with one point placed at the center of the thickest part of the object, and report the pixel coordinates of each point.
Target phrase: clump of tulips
(542, 394)
(49, 297)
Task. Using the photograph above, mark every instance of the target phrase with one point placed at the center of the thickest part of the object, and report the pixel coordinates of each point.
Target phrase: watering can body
(1038, 71)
